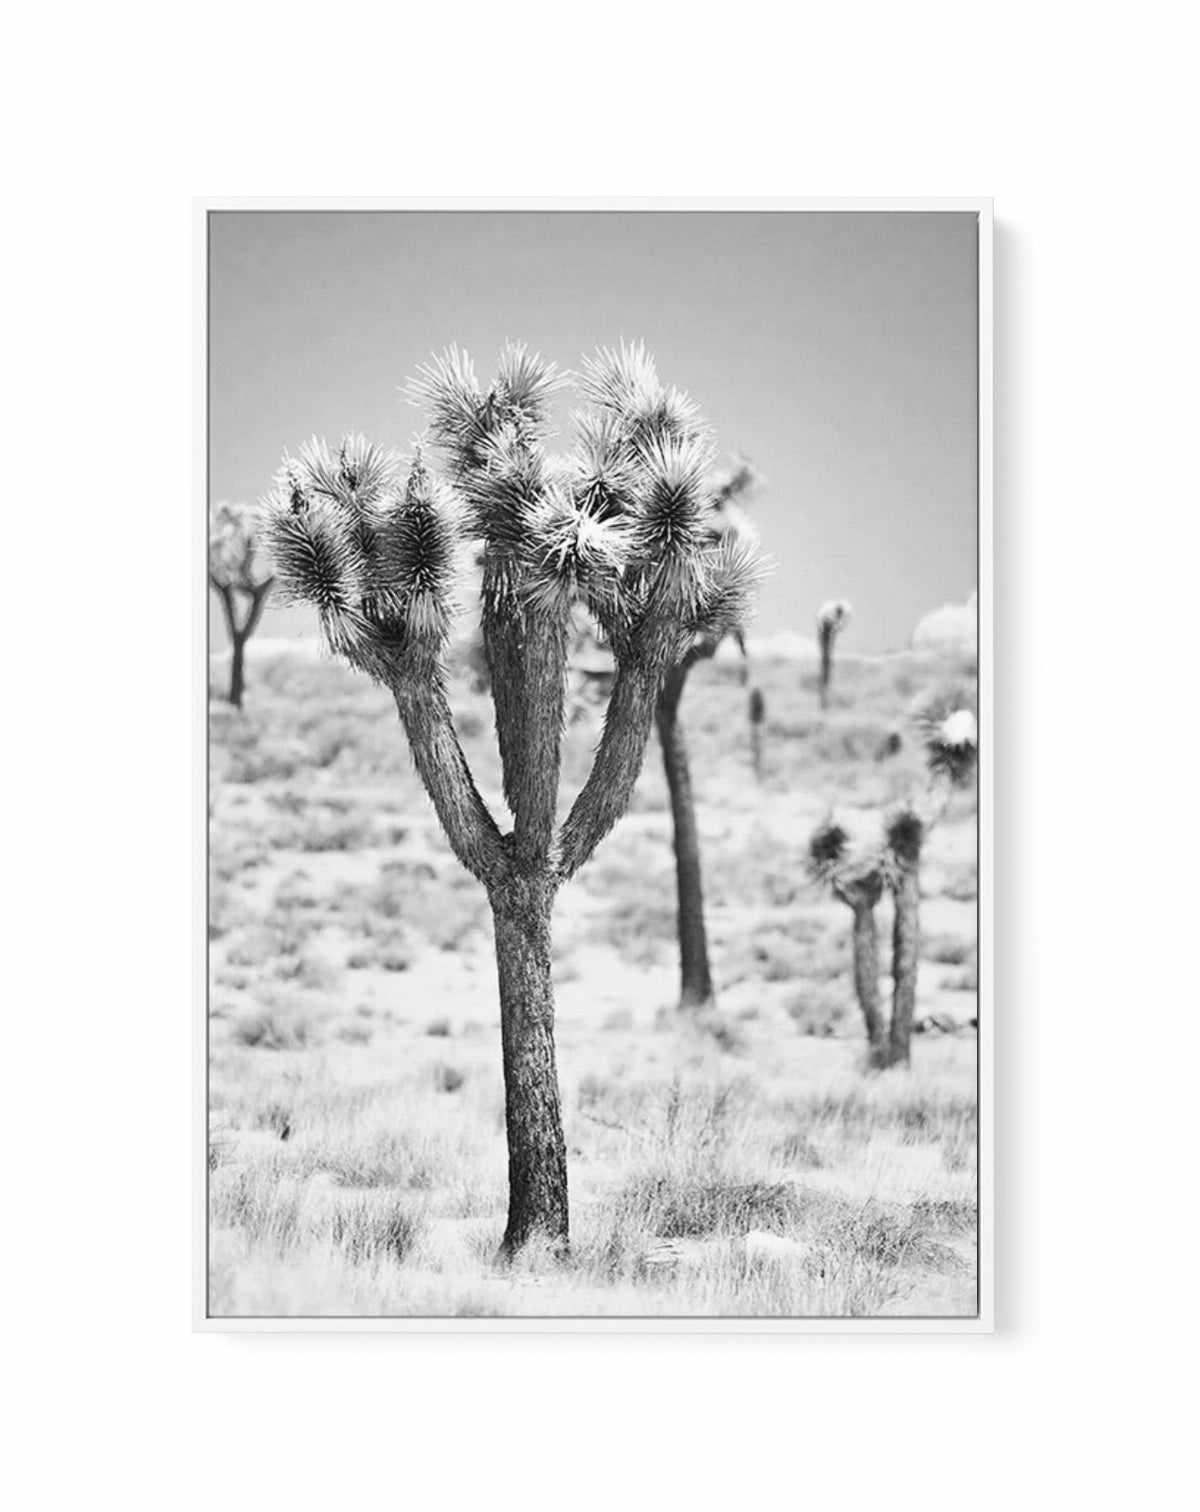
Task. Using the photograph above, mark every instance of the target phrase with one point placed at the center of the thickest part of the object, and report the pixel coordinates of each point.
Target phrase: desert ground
(746, 1165)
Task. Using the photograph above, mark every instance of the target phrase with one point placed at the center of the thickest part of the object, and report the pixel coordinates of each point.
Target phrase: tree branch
(225, 594)
(258, 600)
(416, 683)
(606, 793)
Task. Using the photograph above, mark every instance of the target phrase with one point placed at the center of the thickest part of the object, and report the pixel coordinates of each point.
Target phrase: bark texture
(695, 978)
(866, 979)
(905, 944)
(527, 658)
(537, 1154)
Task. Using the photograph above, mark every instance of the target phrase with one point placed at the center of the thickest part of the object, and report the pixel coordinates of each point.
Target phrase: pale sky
(837, 351)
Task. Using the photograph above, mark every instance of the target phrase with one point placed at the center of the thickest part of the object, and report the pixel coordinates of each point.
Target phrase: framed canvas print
(594, 810)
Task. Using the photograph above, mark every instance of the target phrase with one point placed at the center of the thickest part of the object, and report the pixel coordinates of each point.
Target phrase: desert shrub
(238, 981)
(231, 857)
(263, 944)
(246, 764)
(673, 1207)
(306, 971)
(447, 1078)
(277, 1117)
(961, 882)
(446, 914)
(963, 981)
(438, 1028)
(296, 891)
(260, 1201)
(798, 1150)
(386, 1159)
(367, 1232)
(640, 928)
(776, 957)
(955, 1215)
(268, 1031)
(928, 1113)
(820, 1011)
(680, 1124)
(947, 950)
(355, 1034)
(887, 1234)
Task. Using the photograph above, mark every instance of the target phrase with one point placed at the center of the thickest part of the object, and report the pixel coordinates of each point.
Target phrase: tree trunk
(826, 639)
(237, 669)
(866, 980)
(537, 1153)
(695, 979)
(905, 947)
(758, 714)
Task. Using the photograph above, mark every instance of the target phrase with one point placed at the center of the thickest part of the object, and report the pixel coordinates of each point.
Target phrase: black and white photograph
(596, 697)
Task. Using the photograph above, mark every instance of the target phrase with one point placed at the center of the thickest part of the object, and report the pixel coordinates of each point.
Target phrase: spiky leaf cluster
(948, 730)
(904, 834)
(573, 557)
(358, 475)
(416, 562)
(233, 546)
(374, 555)
(732, 571)
(832, 616)
(464, 418)
(852, 871)
(827, 851)
(669, 525)
(624, 383)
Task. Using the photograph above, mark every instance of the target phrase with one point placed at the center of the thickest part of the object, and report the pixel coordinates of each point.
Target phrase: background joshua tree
(621, 525)
(757, 708)
(951, 745)
(857, 876)
(831, 619)
(857, 880)
(241, 587)
(727, 527)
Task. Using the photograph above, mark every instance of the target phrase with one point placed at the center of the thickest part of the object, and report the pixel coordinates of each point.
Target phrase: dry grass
(743, 1166)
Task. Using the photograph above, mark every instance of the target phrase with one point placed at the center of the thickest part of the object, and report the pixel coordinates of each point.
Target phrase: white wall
(1075, 118)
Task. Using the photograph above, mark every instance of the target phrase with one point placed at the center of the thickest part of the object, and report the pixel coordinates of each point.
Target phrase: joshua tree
(619, 524)
(758, 712)
(857, 881)
(728, 526)
(857, 876)
(831, 620)
(951, 746)
(234, 574)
